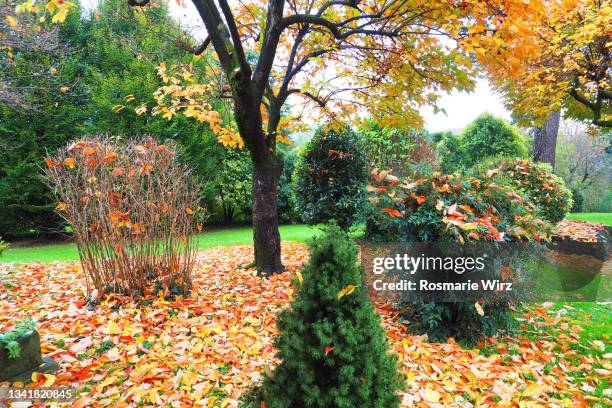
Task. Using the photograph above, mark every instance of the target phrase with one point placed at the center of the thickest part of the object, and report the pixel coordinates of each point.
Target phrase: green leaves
(329, 178)
(332, 348)
(9, 339)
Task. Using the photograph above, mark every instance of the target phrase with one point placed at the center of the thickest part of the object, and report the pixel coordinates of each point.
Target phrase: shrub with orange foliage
(450, 208)
(442, 207)
(133, 210)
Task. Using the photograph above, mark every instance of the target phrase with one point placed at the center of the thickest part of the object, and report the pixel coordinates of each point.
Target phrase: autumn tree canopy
(347, 58)
(556, 55)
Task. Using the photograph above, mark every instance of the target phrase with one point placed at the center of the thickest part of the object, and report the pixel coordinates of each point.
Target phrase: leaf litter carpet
(206, 350)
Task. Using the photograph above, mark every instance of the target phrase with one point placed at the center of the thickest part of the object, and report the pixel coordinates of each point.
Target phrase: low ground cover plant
(133, 209)
(9, 339)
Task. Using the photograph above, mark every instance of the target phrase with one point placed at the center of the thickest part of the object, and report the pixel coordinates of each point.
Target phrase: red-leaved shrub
(133, 210)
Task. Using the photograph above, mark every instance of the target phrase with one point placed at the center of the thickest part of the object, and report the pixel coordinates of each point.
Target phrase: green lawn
(213, 238)
(603, 218)
(216, 237)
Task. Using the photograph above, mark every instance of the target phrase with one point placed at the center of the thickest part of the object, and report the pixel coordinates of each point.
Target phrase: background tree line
(74, 79)
(71, 87)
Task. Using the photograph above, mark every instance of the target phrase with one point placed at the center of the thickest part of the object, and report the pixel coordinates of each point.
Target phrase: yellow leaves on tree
(182, 94)
(554, 55)
(57, 9)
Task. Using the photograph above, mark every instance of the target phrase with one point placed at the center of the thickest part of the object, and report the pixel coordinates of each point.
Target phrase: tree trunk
(545, 140)
(228, 214)
(266, 237)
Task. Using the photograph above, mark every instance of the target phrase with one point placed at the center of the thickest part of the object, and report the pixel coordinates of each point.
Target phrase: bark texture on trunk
(266, 236)
(266, 174)
(545, 140)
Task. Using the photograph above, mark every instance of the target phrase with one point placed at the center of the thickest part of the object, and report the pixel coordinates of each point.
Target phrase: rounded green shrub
(329, 177)
(332, 348)
(547, 190)
(443, 208)
(487, 137)
(449, 207)
(450, 152)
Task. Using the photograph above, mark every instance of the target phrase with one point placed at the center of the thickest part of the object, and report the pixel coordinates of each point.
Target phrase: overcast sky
(461, 107)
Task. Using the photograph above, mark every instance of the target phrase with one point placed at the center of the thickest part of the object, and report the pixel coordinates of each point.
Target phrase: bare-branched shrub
(133, 210)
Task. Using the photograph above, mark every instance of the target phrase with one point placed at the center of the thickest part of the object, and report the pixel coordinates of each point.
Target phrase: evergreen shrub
(329, 178)
(333, 350)
(537, 180)
(443, 208)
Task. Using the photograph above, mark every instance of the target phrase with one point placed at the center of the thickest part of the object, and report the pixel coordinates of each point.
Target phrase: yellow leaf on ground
(113, 328)
(432, 395)
(534, 390)
(49, 380)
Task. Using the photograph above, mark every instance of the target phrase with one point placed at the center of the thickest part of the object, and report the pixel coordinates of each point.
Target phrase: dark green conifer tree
(333, 349)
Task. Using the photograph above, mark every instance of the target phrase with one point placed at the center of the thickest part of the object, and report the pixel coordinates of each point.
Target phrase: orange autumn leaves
(468, 208)
(580, 231)
(548, 55)
(383, 177)
(121, 200)
(207, 350)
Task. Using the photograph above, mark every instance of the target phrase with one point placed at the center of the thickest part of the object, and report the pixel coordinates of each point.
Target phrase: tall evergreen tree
(333, 349)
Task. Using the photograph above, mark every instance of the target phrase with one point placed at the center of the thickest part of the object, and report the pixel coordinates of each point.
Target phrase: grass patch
(602, 218)
(594, 318)
(213, 238)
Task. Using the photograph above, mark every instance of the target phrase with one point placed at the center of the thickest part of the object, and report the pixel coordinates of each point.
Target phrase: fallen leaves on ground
(206, 350)
(580, 231)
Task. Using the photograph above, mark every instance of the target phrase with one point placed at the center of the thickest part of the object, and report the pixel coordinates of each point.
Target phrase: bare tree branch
(237, 41)
(217, 31)
(196, 50)
(270, 43)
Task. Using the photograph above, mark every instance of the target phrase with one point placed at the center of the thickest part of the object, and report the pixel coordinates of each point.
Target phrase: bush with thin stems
(133, 209)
